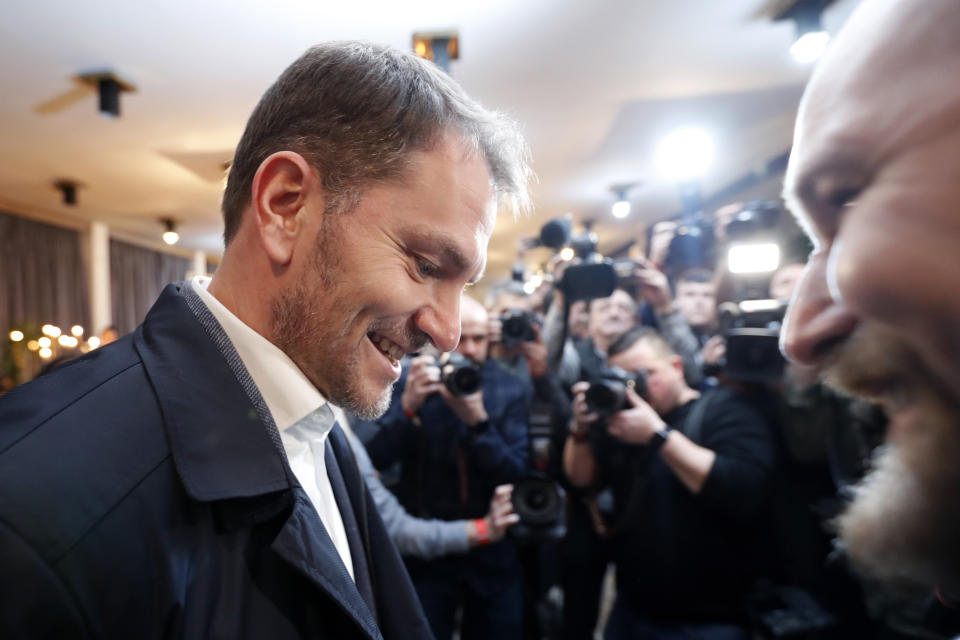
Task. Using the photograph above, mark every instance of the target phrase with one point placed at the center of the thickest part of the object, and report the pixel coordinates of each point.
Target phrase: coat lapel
(223, 449)
(303, 542)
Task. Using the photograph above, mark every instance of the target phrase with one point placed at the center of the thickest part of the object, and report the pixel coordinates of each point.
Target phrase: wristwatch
(659, 438)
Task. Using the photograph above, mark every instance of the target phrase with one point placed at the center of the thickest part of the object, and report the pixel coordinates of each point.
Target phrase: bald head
(473, 330)
(873, 178)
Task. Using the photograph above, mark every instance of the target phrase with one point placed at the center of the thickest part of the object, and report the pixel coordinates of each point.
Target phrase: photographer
(690, 474)
(455, 450)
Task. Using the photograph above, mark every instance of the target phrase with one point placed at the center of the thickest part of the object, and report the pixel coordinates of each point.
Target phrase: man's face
(473, 334)
(875, 177)
(386, 277)
(507, 302)
(697, 302)
(611, 316)
(664, 379)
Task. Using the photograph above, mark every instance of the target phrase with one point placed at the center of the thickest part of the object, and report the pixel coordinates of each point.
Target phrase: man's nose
(815, 322)
(441, 321)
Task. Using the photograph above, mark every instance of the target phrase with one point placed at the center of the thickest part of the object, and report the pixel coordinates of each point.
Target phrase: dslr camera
(459, 375)
(517, 327)
(607, 393)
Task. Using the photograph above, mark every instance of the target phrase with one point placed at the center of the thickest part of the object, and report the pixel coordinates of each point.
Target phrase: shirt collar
(289, 395)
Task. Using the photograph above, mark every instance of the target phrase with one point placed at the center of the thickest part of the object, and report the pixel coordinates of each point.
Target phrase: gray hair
(356, 111)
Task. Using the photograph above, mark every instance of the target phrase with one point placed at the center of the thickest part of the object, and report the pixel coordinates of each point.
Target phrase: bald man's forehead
(881, 87)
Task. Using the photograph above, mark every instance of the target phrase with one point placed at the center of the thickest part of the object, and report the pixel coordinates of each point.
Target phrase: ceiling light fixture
(170, 236)
(621, 208)
(109, 86)
(68, 190)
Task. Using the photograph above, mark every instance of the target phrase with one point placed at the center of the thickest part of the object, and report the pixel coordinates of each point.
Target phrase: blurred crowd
(652, 432)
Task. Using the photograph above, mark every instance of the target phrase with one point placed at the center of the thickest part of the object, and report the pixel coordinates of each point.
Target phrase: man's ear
(677, 363)
(280, 190)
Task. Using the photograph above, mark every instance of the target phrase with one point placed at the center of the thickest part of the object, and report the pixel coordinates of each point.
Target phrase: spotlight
(45, 353)
(68, 189)
(170, 236)
(44, 342)
(93, 341)
(685, 154)
(76, 330)
(761, 257)
(16, 336)
(621, 208)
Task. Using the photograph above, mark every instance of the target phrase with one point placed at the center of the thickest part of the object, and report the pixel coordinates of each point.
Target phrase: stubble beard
(303, 328)
(903, 526)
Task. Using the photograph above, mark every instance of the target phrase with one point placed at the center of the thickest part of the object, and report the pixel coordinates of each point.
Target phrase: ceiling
(595, 83)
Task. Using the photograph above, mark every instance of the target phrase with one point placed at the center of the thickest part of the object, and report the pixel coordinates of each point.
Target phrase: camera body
(459, 375)
(607, 393)
(517, 327)
(751, 331)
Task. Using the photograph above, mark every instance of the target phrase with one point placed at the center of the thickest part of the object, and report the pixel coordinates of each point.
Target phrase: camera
(459, 375)
(751, 330)
(517, 327)
(541, 505)
(589, 274)
(607, 393)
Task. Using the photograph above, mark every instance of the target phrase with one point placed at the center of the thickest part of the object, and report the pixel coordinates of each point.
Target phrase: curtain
(43, 276)
(137, 276)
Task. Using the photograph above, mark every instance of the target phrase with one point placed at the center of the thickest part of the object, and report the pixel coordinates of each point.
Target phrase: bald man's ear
(281, 187)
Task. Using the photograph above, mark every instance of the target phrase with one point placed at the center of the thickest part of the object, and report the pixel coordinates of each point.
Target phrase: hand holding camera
(584, 416)
(637, 424)
(422, 380)
(654, 286)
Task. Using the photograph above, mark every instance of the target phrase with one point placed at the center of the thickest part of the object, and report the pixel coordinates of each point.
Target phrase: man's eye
(426, 268)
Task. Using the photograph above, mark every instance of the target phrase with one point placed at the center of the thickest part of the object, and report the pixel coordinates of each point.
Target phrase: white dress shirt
(291, 399)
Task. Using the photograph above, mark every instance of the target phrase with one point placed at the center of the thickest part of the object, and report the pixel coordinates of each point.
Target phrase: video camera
(751, 330)
(589, 274)
(607, 393)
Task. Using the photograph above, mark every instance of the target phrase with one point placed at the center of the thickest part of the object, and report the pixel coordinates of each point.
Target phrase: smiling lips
(391, 349)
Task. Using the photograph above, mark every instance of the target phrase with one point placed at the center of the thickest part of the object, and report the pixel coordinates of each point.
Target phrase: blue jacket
(431, 483)
(143, 496)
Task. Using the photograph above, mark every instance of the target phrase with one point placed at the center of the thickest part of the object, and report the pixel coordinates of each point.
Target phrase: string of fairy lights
(54, 341)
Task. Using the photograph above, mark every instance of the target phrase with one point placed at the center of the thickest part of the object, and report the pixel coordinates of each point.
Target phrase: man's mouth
(387, 347)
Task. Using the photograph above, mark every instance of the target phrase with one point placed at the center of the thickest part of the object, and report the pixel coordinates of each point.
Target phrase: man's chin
(904, 523)
(363, 403)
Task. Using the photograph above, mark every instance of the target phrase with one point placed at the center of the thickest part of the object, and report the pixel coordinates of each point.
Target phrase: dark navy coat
(142, 496)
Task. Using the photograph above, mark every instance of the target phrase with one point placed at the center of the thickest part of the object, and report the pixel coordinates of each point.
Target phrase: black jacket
(142, 496)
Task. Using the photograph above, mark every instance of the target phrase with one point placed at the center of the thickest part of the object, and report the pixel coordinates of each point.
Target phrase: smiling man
(189, 480)
(875, 177)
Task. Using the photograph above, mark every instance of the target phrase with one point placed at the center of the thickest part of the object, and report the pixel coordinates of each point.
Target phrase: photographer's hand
(535, 353)
(713, 350)
(582, 417)
(654, 287)
(468, 408)
(422, 380)
(637, 424)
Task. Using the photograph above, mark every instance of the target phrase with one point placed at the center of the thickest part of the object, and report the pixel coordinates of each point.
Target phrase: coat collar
(220, 443)
(223, 449)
